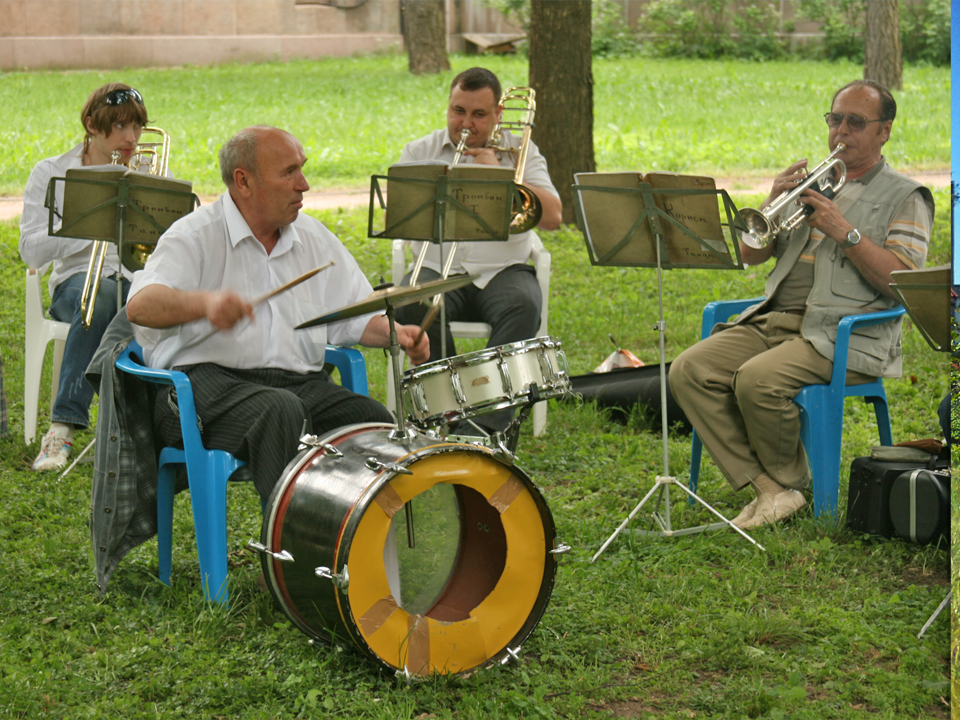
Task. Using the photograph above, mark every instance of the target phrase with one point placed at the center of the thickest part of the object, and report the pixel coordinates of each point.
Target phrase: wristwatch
(853, 237)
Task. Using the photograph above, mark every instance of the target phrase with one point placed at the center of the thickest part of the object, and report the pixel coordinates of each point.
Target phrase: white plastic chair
(38, 332)
(475, 330)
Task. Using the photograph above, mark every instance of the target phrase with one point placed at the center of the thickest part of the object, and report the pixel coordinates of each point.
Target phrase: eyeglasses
(119, 97)
(854, 122)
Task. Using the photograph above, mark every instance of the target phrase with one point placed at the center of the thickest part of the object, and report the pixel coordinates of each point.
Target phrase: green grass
(822, 625)
(354, 115)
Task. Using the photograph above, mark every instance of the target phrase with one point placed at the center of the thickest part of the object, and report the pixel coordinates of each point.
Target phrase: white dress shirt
(487, 258)
(213, 249)
(37, 249)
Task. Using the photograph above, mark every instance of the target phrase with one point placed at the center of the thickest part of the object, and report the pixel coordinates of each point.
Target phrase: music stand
(925, 294)
(432, 202)
(110, 203)
(665, 221)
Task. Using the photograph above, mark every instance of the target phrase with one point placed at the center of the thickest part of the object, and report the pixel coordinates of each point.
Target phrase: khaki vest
(839, 289)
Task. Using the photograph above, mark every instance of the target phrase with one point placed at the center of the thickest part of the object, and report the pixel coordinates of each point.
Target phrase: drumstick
(266, 296)
(427, 321)
(293, 283)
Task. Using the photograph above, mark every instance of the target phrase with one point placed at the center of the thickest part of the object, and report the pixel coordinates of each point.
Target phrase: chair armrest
(131, 361)
(845, 327)
(350, 363)
(721, 310)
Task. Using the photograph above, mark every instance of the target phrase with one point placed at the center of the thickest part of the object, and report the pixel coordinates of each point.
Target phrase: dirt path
(11, 207)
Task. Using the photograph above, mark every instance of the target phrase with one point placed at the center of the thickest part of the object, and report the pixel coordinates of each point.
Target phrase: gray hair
(240, 151)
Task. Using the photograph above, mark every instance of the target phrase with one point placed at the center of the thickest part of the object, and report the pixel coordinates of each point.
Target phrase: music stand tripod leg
(662, 483)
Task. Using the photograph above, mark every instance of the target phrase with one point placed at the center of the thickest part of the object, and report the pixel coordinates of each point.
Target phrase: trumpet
(522, 100)
(148, 157)
(763, 225)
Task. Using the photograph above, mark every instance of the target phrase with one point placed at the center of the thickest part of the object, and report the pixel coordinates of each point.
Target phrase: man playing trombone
(506, 294)
(737, 386)
(113, 118)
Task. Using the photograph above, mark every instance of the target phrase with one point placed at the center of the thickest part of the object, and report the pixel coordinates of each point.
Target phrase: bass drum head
(439, 571)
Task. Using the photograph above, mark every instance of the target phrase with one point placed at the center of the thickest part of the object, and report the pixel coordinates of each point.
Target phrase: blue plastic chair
(821, 406)
(209, 470)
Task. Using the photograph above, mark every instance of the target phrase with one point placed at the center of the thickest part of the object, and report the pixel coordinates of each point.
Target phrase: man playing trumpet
(737, 386)
(113, 118)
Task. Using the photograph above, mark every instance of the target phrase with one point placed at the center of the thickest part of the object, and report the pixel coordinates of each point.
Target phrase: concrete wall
(109, 34)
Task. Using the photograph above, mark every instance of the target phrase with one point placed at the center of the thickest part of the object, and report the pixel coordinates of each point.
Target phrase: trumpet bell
(759, 231)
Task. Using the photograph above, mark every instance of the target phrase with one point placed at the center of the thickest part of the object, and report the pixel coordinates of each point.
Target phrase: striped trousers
(259, 415)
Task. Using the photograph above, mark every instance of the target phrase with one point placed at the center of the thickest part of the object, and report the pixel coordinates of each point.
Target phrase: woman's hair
(108, 105)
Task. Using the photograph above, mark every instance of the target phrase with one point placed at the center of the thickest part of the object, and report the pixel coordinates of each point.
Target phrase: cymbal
(394, 296)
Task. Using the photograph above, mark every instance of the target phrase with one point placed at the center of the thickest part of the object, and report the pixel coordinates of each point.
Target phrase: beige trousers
(737, 389)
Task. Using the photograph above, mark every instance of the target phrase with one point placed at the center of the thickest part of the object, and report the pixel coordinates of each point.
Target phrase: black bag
(623, 388)
(868, 495)
(920, 506)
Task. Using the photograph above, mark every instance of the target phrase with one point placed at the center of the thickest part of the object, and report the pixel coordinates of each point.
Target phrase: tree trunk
(561, 73)
(883, 59)
(425, 36)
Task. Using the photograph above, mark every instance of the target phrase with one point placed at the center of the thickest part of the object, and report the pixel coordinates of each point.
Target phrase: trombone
(522, 100)
(763, 225)
(149, 157)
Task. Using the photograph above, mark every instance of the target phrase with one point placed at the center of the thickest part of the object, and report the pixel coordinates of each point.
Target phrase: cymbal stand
(664, 482)
(403, 432)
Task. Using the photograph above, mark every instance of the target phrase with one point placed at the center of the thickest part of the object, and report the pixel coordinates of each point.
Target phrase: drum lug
(512, 654)
(561, 549)
(458, 393)
(419, 399)
(341, 580)
(546, 367)
(563, 367)
(373, 464)
(505, 380)
(313, 441)
(282, 556)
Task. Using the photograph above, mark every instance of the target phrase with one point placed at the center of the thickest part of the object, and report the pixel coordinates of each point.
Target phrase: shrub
(924, 30)
(713, 29)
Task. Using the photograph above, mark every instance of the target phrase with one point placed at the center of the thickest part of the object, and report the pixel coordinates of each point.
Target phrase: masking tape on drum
(506, 494)
(377, 615)
(389, 500)
(418, 645)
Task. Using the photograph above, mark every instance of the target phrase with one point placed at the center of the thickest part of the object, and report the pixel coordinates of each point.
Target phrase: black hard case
(868, 498)
(920, 506)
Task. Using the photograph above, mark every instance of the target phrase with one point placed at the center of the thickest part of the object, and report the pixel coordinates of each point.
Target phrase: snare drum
(485, 381)
(337, 555)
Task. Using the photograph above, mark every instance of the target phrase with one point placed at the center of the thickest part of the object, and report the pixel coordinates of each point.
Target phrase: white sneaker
(54, 452)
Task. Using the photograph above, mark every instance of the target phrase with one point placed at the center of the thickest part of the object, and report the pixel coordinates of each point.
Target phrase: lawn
(822, 624)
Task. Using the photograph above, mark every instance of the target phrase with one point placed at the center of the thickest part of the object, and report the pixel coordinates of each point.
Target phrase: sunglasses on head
(119, 97)
(854, 122)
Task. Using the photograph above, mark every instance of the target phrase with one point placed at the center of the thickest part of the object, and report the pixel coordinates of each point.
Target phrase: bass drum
(430, 557)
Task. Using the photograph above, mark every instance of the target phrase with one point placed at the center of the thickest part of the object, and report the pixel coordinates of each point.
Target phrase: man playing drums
(258, 383)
